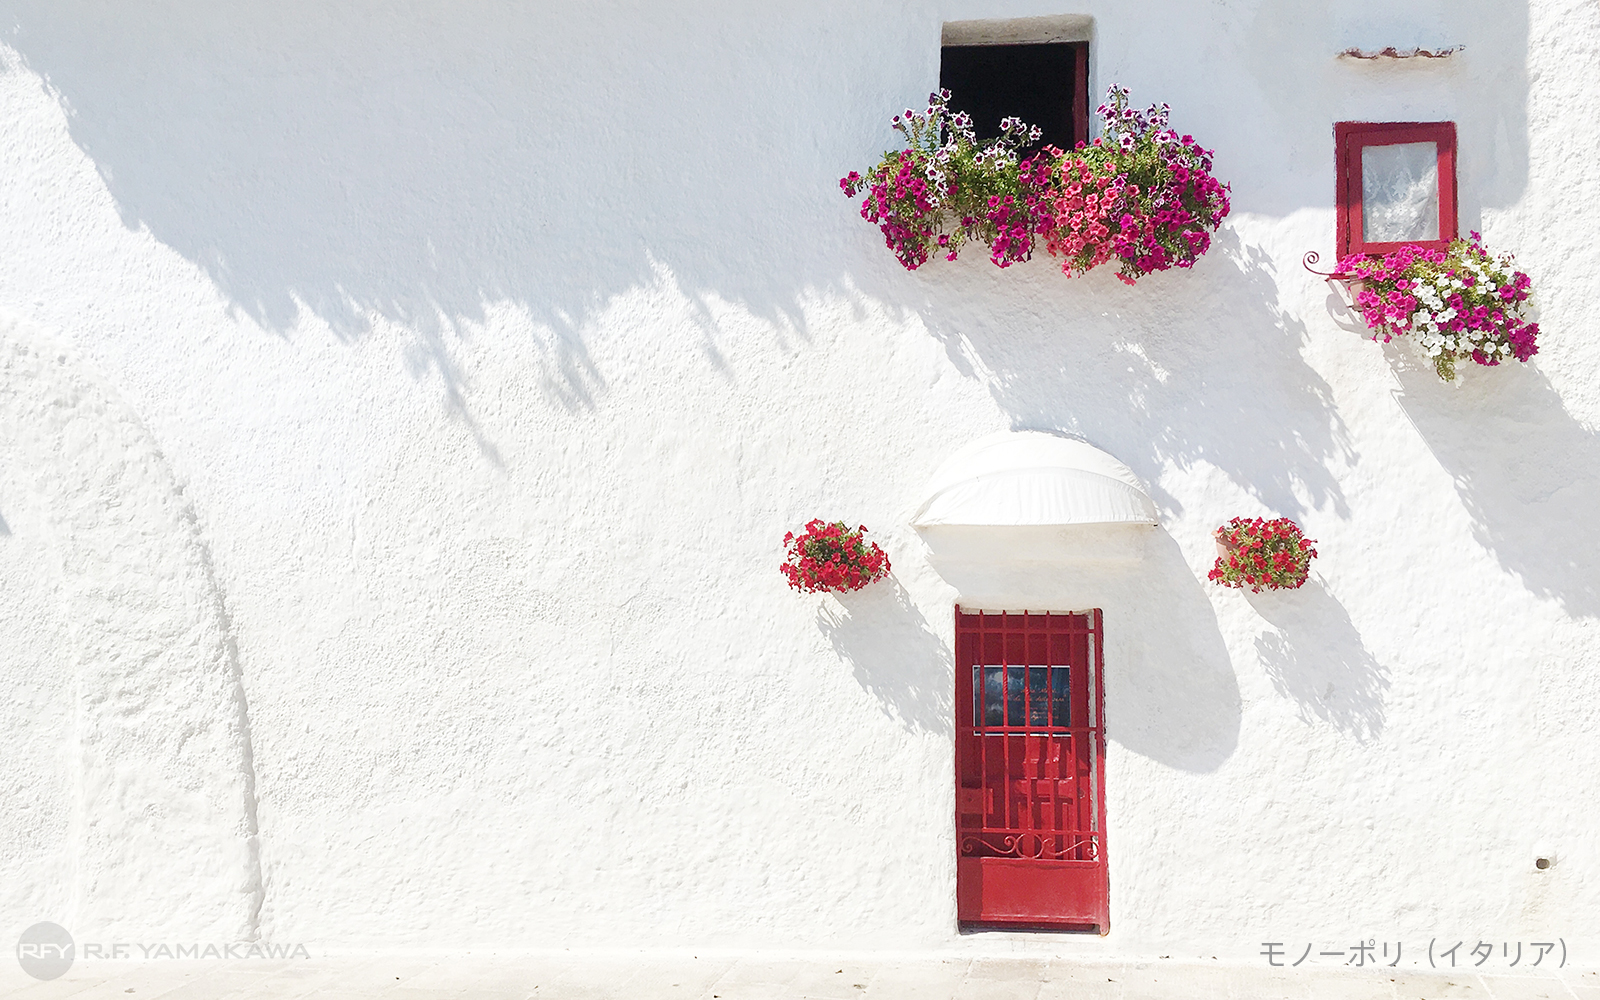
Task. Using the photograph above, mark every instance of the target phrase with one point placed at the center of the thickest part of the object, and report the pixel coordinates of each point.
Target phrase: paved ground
(750, 977)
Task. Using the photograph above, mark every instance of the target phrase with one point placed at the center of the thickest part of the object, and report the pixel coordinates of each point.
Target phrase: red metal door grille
(1030, 770)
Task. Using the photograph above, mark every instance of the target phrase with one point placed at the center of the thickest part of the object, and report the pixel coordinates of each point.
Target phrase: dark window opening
(1045, 85)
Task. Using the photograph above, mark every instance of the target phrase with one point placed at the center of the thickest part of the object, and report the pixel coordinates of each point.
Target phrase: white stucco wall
(404, 405)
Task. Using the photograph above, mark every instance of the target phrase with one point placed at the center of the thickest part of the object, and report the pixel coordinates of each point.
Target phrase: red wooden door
(1030, 770)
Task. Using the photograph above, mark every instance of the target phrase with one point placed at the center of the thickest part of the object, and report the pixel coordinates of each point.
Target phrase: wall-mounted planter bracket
(1349, 285)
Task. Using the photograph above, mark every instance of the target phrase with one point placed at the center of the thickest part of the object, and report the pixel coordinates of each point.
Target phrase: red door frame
(1350, 138)
(1030, 833)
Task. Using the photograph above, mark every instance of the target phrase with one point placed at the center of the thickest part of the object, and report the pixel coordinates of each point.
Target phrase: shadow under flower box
(1350, 284)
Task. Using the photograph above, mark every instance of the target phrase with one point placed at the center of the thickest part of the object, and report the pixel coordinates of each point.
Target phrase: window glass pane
(1400, 192)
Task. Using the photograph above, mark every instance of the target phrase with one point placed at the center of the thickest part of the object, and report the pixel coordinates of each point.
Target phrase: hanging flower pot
(832, 557)
(1226, 546)
(1262, 554)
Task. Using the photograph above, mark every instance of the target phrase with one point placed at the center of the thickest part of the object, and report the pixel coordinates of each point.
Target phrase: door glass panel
(1061, 696)
(1032, 697)
(1014, 694)
(1400, 192)
(992, 697)
(1039, 696)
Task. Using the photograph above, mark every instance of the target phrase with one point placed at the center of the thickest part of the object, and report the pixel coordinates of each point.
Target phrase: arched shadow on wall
(894, 654)
(1317, 659)
(1185, 368)
(1176, 700)
(1171, 691)
(1523, 466)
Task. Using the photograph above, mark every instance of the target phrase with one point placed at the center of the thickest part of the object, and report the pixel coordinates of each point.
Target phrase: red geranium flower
(1262, 554)
(831, 557)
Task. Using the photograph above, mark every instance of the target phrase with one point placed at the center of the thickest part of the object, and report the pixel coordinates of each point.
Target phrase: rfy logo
(45, 950)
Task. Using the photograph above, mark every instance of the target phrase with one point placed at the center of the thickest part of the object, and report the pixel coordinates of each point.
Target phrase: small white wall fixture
(1029, 497)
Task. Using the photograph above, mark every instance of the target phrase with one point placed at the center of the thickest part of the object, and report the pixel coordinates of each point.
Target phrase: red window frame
(1350, 138)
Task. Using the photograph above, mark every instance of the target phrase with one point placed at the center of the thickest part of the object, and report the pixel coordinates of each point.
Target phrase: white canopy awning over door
(1033, 478)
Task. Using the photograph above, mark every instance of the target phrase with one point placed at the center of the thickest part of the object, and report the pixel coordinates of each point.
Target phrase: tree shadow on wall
(1187, 367)
(1316, 658)
(1524, 467)
(430, 163)
(895, 655)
